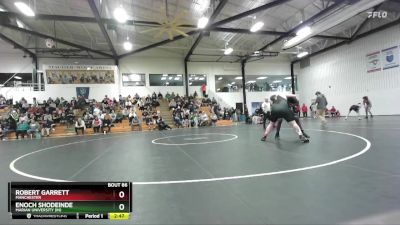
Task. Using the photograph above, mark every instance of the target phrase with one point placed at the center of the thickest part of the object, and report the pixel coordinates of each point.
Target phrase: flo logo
(377, 14)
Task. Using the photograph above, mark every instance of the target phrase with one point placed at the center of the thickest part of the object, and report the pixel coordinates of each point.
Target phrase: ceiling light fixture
(276, 81)
(20, 24)
(220, 78)
(238, 78)
(261, 78)
(228, 51)
(18, 77)
(302, 54)
(304, 31)
(163, 78)
(120, 14)
(128, 45)
(337, 17)
(257, 26)
(288, 78)
(202, 22)
(25, 9)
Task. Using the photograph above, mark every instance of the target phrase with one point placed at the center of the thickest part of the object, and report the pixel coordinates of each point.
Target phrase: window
(166, 79)
(133, 79)
(228, 83)
(19, 79)
(259, 83)
(197, 79)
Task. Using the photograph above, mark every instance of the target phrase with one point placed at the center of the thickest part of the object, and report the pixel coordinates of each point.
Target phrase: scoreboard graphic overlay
(70, 200)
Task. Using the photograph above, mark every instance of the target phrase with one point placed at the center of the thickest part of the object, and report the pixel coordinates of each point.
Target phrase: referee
(266, 108)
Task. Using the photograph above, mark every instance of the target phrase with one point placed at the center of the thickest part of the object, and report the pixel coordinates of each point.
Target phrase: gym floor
(349, 173)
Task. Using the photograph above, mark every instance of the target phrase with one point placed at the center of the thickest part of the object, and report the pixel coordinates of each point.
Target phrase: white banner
(390, 57)
(373, 61)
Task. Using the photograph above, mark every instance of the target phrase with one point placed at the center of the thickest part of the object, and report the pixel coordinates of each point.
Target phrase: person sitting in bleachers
(3, 102)
(168, 96)
(172, 104)
(4, 127)
(204, 120)
(214, 119)
(22, 129)
(88, 119)
(34, 129)
(80, 125)
(96, 124)
(135, 123)
(160, 96)
(162, 125)
(107, 123)
(46, 127)
(194, 119)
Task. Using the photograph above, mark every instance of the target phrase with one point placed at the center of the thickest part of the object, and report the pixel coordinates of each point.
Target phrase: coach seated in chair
(46, 127)
(107, 123)
(34, 129)
(80, 125)
(22, 129)
(135, 122)
(96, 124)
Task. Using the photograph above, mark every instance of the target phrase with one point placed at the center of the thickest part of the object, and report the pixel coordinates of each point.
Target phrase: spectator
(168, 96)
(333, 111)
(160, 96)
(46, 128)
(135, 123)
(162, 125)
(34, 129)
(321, 106)
(204, 120)
(107, 122)
(22, 129)
(203, 90)
(96, 124)
(214, 119)
(80, 125)
(304, 109)
(172, 104)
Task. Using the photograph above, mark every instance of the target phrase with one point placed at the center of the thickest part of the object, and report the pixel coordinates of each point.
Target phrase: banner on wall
(390, 57)
(71, 74)
(82, 91)
(373, 62)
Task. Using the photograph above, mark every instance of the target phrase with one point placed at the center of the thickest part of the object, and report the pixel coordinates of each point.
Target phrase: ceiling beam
(97, 15)
(45, 36)
(211, 20)
(378, 29)
(250, 12)
(81, 19)
(179, 37)
(309, 20)
(221, 22)
(268, 32)
(363, 24)
(16, 45)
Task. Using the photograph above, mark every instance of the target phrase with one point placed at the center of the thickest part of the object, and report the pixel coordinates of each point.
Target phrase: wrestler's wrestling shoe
(305, 135)
(304, 139)
(263, 138)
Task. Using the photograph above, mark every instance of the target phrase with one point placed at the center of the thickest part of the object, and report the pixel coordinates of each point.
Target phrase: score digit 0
(121, 194)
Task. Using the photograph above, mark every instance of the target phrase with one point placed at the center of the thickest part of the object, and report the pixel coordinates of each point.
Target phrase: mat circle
(194, 139)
